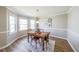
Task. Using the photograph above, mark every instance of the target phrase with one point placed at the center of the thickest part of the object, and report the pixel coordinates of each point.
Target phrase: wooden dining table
(41, 35)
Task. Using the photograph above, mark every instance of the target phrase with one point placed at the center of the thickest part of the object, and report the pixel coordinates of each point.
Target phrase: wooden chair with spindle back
(36, 38)
(47, 39)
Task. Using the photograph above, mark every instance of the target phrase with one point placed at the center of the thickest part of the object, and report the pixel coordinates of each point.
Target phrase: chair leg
(47, 42)
(36, 43)
(39, 42)
(31, 40)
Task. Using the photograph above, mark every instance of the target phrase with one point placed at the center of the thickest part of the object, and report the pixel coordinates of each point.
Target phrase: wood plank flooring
(60, 45)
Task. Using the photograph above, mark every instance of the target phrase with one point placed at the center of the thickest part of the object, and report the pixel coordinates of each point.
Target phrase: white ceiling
(44, 11)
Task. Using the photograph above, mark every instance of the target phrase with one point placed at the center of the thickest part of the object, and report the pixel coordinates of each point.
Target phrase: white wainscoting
(57, 32)
(73, 39)
(12, 38)
(3, 38)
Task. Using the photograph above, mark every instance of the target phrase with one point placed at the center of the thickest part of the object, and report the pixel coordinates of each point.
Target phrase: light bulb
(37, 21)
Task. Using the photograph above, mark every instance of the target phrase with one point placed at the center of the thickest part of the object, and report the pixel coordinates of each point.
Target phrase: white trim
(14, 11)
(69, 31)
(56, 29)
(68, 42)
(60, 37)
(70, 9)
(59, 29)
(11, 42)
(25, 35)
(71, 46)
(3, 32)
(60, 14)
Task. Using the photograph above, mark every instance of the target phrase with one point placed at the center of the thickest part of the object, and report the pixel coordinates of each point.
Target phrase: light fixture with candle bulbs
(50, 22)
(37, 19)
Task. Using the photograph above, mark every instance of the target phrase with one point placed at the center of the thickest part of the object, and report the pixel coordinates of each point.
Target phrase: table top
(39, 34)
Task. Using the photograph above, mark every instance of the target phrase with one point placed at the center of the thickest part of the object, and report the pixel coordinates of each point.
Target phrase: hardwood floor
(21, 45)
(62, 45)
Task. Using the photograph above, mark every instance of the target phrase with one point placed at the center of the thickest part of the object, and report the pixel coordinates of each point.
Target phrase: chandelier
(37, 19)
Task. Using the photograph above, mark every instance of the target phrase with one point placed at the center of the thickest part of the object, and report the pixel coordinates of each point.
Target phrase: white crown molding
(12, 9)
(70, 9)
(61, 14)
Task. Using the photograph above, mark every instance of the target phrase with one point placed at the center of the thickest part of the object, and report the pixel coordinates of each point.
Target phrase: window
(32, 24)
(23, 24)
(12, 24)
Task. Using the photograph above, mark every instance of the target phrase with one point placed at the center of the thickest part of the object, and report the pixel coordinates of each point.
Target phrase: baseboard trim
(26, 35)
(11, 42)
(75, 34)
(71, 46)
(68, 42)
(21, 37)
(60, 37)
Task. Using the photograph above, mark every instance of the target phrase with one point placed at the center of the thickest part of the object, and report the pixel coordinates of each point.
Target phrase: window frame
(32, 24)
(15, 22)
(23, 24)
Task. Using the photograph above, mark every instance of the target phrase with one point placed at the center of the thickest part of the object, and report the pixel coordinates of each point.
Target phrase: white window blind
(32, 24)
(23, 24)
(12, 24)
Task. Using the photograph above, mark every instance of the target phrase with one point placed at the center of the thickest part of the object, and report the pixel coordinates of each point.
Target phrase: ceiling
(43, 11)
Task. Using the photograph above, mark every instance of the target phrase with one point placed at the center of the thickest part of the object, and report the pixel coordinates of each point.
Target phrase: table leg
(28, 37)
(43, 45)
(42, 39)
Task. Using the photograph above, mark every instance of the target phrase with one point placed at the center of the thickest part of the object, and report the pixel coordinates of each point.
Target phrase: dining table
(41, 35)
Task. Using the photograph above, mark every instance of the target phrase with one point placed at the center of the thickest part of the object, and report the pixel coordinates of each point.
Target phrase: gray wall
(73, 28)
(59, 25)
(17, 34)
(5, 37)
(3, 23)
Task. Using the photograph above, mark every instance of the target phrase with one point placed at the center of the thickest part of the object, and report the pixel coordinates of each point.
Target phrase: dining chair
(36, 39)
(47, 39)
